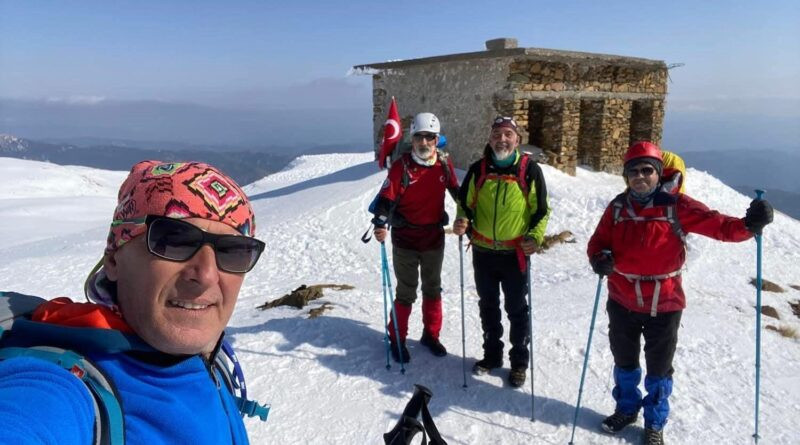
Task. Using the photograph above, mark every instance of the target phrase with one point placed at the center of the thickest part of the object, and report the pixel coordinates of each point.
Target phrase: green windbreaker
(501, 212)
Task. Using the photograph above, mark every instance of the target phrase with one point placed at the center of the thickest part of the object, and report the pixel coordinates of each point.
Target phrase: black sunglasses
(645, 171)
(426, 136)
(176, 240)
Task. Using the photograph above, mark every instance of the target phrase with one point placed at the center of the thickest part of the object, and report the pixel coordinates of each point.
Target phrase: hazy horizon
(261, 74)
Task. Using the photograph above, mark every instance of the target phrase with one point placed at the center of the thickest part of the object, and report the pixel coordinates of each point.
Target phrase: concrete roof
(537, 54)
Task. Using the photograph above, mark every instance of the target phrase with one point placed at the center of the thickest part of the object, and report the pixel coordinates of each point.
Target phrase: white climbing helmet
(425, 122)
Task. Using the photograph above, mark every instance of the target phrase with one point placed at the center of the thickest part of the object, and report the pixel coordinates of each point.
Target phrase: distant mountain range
(150, 120)
(771, 170)
(745, 170)
(244, 166)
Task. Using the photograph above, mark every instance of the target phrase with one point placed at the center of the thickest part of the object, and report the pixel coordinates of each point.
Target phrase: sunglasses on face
(426, 136)
(645, 171)
(177, 240)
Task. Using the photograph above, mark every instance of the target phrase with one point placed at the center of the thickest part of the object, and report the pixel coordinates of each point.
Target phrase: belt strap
(515, 243)
(637, 279)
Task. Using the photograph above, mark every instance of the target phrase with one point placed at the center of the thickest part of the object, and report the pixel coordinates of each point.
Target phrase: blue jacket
(175, 402)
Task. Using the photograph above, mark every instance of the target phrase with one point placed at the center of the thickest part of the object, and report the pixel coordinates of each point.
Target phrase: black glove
(380, 221)
(602, 263)
(758, 215)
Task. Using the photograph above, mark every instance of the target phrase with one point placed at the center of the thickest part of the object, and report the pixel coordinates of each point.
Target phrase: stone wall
(647, 117)
(590, 137)
(460, 93)
(586, 112)
(579, 108)
(615, 134)
(539, 75)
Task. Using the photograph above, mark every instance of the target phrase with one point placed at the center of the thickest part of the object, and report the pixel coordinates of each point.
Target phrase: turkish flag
(392, 133)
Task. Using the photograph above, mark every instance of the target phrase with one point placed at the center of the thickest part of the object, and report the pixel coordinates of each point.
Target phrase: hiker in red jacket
(411, 202)
(639, 245)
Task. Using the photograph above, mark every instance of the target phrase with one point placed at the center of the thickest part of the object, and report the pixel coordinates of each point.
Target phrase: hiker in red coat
(639, 245)
(411, 202)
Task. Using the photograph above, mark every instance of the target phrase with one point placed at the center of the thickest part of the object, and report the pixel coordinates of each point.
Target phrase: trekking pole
(530, 325)
(586, 358)
(463, 331)
(759, 196)
(385, 314)
(394, 313)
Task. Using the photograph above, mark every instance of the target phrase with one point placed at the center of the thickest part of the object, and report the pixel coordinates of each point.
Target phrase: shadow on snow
(349, 174)
(365, 356)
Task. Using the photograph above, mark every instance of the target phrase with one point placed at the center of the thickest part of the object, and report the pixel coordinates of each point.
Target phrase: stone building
(579, 108)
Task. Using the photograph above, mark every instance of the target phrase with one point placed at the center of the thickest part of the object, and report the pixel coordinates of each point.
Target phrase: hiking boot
(433, 344)
(483, 366)
(403, 349)
(617, 421)
(653, 437)
(516, 377)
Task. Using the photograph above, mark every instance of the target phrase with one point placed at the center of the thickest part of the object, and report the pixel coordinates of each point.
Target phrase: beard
(423, 152)
(502, 150)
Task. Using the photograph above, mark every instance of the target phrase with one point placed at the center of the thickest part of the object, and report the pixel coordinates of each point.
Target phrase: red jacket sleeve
(389, 193)
(601, 238)
(390, 189)
(695, 217)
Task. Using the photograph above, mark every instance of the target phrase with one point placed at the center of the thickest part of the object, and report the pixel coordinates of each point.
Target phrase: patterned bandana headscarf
(177, 190)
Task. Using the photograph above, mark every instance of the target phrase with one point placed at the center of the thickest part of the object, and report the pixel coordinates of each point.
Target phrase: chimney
(501, 43)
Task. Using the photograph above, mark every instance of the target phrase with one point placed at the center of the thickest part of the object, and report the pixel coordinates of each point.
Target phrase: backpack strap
(478, 183)
(442, 157)
(522, 180)
(405, 180)
(13, 306)
(522, 172)
(621, 203)
(637, 279)
(672, 218)
(109, 427)
(234, 381)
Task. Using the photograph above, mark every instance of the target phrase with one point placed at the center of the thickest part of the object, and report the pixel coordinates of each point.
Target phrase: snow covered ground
(326, 378)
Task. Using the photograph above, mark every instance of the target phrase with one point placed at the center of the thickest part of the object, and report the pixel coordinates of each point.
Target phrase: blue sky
(198, 50)
(192, 62)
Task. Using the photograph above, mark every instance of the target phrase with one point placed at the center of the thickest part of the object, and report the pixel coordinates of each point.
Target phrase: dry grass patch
(767, 285)
(302, 295)
(770, 311)
(795, 308)
(784, 331)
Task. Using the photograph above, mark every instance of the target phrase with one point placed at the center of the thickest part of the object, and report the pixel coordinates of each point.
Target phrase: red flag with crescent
(392, 133)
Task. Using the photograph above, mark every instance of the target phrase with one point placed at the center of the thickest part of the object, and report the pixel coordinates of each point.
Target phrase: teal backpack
(109, 428)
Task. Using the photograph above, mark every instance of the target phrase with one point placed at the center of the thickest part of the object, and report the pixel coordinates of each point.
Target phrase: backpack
(674, 173)
(620, 203)
(109, 429)
(522, 171)
(441, 160)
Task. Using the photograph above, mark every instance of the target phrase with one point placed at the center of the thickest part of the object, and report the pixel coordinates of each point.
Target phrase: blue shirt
(179, 403)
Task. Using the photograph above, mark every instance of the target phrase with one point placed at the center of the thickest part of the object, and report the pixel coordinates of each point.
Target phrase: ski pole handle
(759, 194)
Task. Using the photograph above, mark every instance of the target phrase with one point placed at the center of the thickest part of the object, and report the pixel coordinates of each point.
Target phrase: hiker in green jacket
(503, 208)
